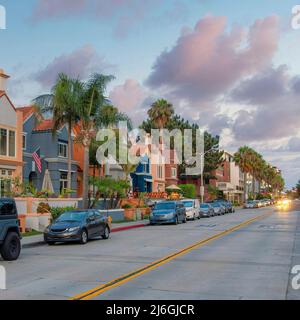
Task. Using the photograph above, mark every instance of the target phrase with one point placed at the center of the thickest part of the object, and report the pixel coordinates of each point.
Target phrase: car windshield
(204, 206)
(72, 216)
(164, 205)
(188, 204)
(216, 205)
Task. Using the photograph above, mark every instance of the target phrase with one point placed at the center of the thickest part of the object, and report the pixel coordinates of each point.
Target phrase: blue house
(142, 178)
(37, 135)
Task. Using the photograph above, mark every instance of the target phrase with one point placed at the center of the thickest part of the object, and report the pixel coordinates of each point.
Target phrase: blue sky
(128, 39)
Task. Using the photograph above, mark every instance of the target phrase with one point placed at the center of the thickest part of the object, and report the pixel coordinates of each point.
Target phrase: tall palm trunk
(253, 186)
(69, 156)
(245, 187)
(86, 167)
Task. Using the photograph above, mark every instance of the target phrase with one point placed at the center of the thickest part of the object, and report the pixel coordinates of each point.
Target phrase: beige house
(11, 139)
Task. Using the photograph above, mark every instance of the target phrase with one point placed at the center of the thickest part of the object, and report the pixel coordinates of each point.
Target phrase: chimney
(3, 79)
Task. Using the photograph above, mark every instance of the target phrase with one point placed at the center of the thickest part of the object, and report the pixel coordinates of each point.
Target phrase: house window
(12, 144)
(24, 141)
(62, 150)
(7, 143)
(174, 172)
(3, 142)
(63, 181)
(159, 172)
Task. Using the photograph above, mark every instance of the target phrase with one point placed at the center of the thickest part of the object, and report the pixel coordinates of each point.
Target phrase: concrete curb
(116, 229)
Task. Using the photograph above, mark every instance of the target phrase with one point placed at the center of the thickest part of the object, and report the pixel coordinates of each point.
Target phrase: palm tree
(160, 113)
(62, 103)
(93, 98)
(243, 158)
(109, 117)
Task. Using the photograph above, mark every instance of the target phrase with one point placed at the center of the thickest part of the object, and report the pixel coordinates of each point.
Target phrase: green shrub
(57, 211)
(127, 206)
(188, 190)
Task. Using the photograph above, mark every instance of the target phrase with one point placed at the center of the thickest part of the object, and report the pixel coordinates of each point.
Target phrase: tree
(62, 103)
(298, 188)
(160, 113)
(93, 97)
(188, 190)
(243, 159)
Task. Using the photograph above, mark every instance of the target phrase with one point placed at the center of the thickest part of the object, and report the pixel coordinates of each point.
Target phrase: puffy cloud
(208, 61)
(124, 14)
(293, 144)
(132, 98)
(264, 87)
(128, 96)
(45, 9)
(79, 63)
(276, 115)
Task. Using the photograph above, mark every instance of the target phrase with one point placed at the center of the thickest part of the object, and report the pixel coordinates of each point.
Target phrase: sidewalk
(116, 227)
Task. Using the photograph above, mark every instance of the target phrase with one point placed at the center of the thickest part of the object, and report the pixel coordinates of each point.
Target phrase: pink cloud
(48, 9)
(207, 61)
(128, 96)
(79, 63)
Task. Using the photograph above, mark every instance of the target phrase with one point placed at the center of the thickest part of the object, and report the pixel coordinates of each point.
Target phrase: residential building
(142, 180)
(229, 179)
(171, 168)
(53, 150)
(11, 164)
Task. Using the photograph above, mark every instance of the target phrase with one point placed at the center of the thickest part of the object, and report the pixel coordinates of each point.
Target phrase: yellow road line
(157, 263)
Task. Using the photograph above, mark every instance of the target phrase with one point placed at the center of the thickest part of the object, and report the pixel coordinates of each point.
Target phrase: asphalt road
(246, 255)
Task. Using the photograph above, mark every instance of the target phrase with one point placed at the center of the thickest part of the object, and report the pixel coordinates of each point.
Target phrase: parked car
(206, 210)
(219, 209)
(251, 204)
(227, 205)
(168, 212)
(10, 237)
(81, 225)
(192, 208)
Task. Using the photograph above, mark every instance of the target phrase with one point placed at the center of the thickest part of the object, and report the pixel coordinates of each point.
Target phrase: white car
(192, 207)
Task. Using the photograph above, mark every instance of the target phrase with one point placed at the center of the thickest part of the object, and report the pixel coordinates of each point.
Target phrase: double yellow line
(157, 263)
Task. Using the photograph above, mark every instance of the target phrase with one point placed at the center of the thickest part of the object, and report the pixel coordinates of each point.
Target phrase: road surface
(245, 255)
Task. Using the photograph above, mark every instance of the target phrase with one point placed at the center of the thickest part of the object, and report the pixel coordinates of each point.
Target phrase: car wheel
(83, 237)
(184, 220)
(11, 247)
(199, 217)
(106, 233)
(176, 220)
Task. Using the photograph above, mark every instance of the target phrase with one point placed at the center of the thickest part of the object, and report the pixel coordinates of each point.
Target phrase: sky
(234, 68)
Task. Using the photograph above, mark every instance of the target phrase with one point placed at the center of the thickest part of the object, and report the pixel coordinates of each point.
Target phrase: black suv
(10, 238)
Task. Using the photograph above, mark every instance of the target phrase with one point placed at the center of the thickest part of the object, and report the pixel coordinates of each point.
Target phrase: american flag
(37, 159)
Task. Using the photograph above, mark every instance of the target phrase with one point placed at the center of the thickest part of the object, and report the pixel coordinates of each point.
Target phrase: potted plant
(129, 212)
(145, 210)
